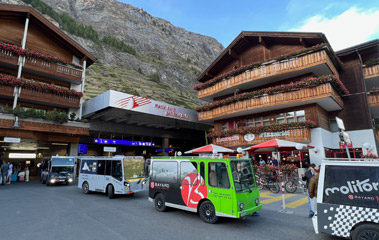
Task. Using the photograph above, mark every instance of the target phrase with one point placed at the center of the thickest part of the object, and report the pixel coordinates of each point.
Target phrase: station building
(292, 86)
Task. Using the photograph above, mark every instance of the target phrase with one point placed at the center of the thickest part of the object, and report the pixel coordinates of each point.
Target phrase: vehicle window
(188, 173)
(134, 167)
(243, 175)
(202, 172)
(88, 166)
(165, 172)
(218, 175)
(117, 169)
(108, 168)
(100, 167)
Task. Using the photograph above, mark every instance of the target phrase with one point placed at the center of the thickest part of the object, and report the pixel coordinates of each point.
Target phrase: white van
(348, 199)
(112, 175)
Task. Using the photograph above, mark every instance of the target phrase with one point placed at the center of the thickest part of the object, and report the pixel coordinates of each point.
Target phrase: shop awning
(210, 148)
(276, 145)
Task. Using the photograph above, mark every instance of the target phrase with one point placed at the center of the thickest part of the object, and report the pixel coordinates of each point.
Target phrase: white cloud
(352, 27)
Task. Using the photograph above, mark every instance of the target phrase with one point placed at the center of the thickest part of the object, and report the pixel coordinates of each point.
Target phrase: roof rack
(352, 159)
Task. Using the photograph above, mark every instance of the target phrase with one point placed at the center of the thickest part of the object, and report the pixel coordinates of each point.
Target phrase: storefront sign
(226, 139)
(109, 149)
(22, 155)
(12, 140)
(123, 142)
(171, 111)
(342, 145)
(249, 137)
(274, 134)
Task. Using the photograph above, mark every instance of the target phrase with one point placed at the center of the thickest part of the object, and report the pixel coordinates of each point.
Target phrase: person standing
(313, 185)
(10, 171)
(262, 162)
(4, 172)
(307, 177)
(275, 162)
(27, 174)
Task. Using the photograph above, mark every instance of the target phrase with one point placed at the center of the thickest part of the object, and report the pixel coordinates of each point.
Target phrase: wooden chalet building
(42, 75)
(291, 86)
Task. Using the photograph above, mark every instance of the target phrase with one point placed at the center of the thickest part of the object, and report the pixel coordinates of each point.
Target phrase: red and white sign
(193, 189)
(171, 111)
(133, 102)
(350, 145)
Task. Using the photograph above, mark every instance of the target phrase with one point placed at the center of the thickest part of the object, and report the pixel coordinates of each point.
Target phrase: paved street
(34, 211)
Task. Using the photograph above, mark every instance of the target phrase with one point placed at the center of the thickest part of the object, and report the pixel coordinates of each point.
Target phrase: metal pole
(284, 199)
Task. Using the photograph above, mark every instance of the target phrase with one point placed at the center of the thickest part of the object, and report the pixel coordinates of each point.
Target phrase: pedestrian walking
(313, 185)
(4, 172)
(307, 177)
(10, 171)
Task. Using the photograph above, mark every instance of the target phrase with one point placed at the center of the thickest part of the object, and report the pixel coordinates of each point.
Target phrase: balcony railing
(296, 135)
(34, 64)
(371, 72)
(324, 95)
(275, 69)
(42, 98)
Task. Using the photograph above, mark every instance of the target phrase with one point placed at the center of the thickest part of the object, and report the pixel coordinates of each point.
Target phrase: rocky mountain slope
(167, 62)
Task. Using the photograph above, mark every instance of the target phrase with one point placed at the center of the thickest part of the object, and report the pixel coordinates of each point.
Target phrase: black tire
(369, 231)
(110, 191)
(47, 181)
(274, 187)
(85, 188)
(207, 212)
(290, 186)
(160, 203)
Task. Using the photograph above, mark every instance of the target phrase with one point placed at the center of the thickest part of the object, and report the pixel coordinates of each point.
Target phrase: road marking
(276, 199)
(265, 195)
(297, 203)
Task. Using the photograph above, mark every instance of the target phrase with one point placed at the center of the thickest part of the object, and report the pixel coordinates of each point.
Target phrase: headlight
(257, 201)
(241, 205)
(52, 180)
(126, 184)
(70, 180)
(144, 182)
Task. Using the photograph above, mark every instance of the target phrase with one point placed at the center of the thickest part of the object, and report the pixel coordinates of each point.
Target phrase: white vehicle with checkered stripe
(348, 199)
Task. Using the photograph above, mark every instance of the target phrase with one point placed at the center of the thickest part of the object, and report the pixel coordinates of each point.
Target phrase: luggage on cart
(14, 178)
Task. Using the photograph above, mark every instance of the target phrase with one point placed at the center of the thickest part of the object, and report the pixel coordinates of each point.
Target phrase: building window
(290, 117)
(224, 126)
(300, 116)
(258, 121)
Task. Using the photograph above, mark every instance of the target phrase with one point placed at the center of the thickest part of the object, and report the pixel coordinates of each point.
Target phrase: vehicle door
(117, 176)
(100, 179)
(220, 191)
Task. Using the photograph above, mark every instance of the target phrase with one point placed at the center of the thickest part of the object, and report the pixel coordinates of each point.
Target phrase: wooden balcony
(371, 76)
(317, 62)
(373, 100)
(34, 126)
(41, 67)
(324, 95)
(42, 98)
(297, 135)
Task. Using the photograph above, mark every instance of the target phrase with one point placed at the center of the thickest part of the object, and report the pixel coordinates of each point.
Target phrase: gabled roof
(20, 12)
(359, 47)
(245, 39)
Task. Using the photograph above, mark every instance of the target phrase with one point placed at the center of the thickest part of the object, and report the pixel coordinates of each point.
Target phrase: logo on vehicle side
(193, 189)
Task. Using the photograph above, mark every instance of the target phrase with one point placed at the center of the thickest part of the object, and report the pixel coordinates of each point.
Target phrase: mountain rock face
(168, 58)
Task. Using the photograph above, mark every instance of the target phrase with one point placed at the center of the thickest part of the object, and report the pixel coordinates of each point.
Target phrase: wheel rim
(159, 203)
(369, 235)
(208, 212)
(85, 187)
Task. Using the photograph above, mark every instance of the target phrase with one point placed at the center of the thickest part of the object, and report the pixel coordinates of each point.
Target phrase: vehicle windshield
(134, 167)
(62, 169)
(243, 175)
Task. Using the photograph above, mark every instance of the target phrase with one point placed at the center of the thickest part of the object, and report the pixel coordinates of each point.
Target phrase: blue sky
(345, 23)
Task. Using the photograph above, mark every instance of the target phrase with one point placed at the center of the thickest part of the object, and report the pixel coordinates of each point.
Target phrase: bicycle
(268, 182)
(294, 183)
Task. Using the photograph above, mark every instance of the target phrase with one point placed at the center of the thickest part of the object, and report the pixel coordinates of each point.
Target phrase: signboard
(352, 185)
(340, 123)
(274, 134)
(12, 140)
(82, 148)
(226, 139)
(109, 149)
(123, 142)
(22, 155)
(342, 145)
(249, 137)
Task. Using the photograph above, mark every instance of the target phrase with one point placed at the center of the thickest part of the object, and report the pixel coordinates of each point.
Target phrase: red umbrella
(210, 148)
(275, 145)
